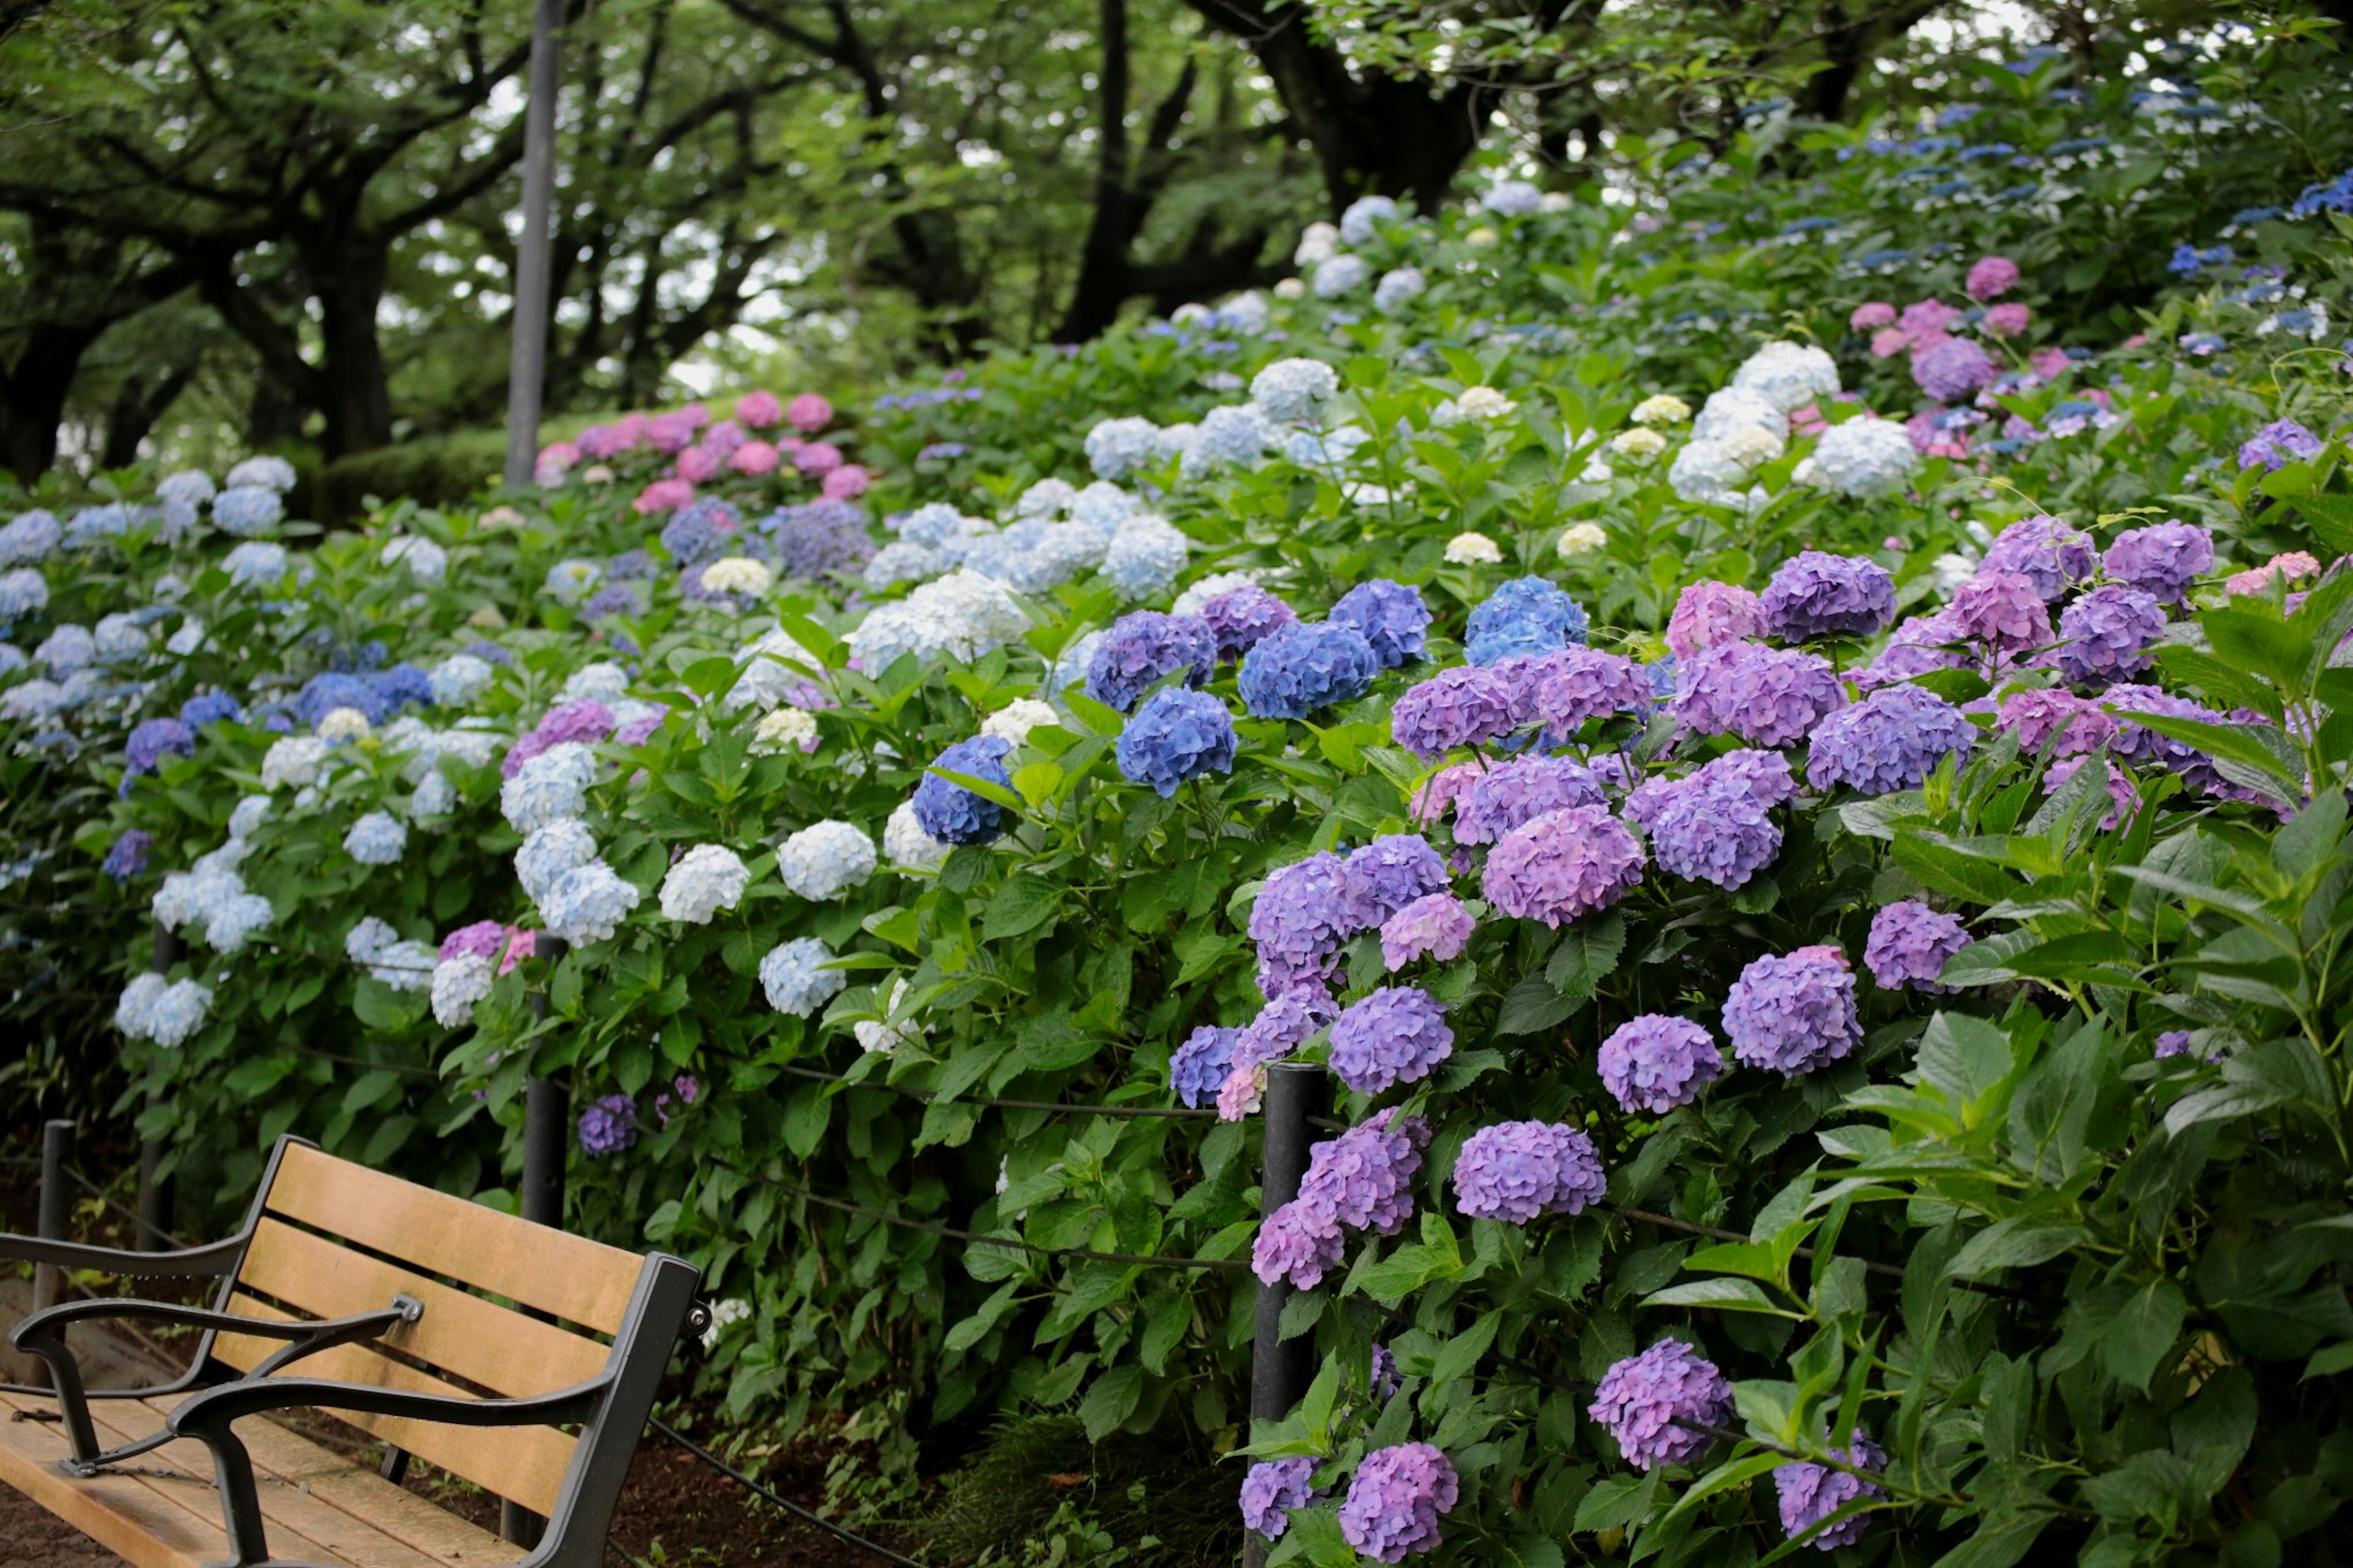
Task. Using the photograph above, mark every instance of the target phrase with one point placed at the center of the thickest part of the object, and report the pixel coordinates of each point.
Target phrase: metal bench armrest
(211, 1260)
(209, 1416)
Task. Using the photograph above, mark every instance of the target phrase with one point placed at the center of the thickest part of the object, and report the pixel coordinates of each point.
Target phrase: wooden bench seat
(516, 1356)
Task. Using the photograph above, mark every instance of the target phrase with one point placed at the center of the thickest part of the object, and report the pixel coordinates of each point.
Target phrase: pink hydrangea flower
(817, 458)
(846, 482)
(721, 439)
(754, 458)
(663, 496)
(809, 413)
(559, 456)
(697, 465)
(1928, 320)
(758, 410)
(1992, 278)
(2007, 321)
(2296, 565)
(669, 433)
(1889, 341)
(1870, 315)
(2048, 362)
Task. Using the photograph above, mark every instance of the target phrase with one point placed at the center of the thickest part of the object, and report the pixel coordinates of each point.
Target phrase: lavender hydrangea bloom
(819, 539)
(1302, 916)
(1433, 926)
(1144, 647)
(1643, 1401)
(1563, 865)
(1385, 1381)
(701, 530)
(1567, 687)
(1890, 741)
(955, 814)
(1239, 618)
(1920, 644)
(1394, 1501)
(127, 856)
(1202, 1063)
(1465, 706)
(608, 1126)
(1271, 1490)
(1793, 1013)
(152, 740)
(1815, 593)
(1514, 1170)
(2278, 444)
(1518, 792)
(1394, 1036)
(1391, 617)
(2044, 549)
(210, 708)
(2039, 714)
(1654, 1063)
(1909, 944)
(1715, 826)
(1812, 1493)
(1299, 1244)
(1177, 735)
(2002, 611)
(2105, 635)
(583, 722)
(1952, 369)
(1767, 696)
(2163, 559)
(1708, 614)
(1362, 1180)
(1297, 669)
(1525, 615)
(2140, 746)
(1389, 873)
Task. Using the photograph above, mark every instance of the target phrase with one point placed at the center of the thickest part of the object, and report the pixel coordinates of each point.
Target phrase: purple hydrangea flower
(2164, 559)
(2044, 549)
(483, 939)
(152, 740)
(608, 1126)
(1816, 594)
(1389, 873)
(1514, 1170)
(1280, 1027)
(1394, 1036)
(1909, 944)
(1465, 706)
(1918, 646)
(1202, 1063)
(2278, 444)
(701, 531)
(1812, 1493)
(1240, 618)
(583, 722)
(955, 814)
(1567, 687)
(1385, 1381)
(1655, 1062)
(1393, 1503)
(1302, 918)
(1715, 826)
(1271, 1490)
(2140, 746)
(210, 708)
(1144, 647)
(1433, 926)
(1518, 792)
(1952, 369)
(1563, 865)
(1793, 1013)
(1177, 735)
(1297, 1244)
(1711, 614)
(1890, 741)
(127, 856)
(2122, 799)
(1391, 617)
(1645, 1401)
(1297, 669)
(2105, 635)
(819, 539)
(1362, 1180)
(2038, 714)
(2002, 611)
(1767, 696)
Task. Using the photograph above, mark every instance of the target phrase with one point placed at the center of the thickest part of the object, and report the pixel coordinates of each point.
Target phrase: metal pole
(527, 365)
(154, 1193)
(546, 1116)
(56, 1154)
(1281, 1371)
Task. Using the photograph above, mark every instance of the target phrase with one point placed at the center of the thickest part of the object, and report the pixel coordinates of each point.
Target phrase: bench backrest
(332, 1238)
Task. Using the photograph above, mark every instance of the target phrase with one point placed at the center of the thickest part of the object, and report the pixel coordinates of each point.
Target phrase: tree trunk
(356, 391)
(33, 395)
(137, 406)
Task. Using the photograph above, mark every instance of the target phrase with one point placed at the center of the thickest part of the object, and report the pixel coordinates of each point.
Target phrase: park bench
(518, 1357)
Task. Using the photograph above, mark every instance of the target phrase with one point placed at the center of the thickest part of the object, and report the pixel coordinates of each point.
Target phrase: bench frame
(610, 1410)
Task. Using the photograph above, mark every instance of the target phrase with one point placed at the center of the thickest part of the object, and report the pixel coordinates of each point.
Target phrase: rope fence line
(82, 1179)
(762, 1490)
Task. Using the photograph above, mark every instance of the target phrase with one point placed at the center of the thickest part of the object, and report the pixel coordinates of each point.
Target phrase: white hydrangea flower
(1339, 275)
(1747, 446)
(189, 487)
(30, 536)
(794, 976)
(1365, 215)
(405, 965)
(292, 760)
(1202, 590)
(739, 575)
(1703, 474)
(1102, 507)
(459, 678)
(342, 724)
(1477, 405)
(550, 785)
(1474, 549)
(785, 730)
(961, 616)
(1294, 391)
(904, 842)
(1949, 571)
(1398, 287)
(435, 796)
(1582, 539)
(724, 1315)
(1640, 441)
(265, 472)
(1318, 241)
(549, 851)
(902, 561)
(120, 638)
(1661, 408)
(1864, 458)
(412, 738)
(426, 561)
(376, 839)
(603, 681)
(774, 666)
(1119, 447)
(178, 1012)
(826, 859)
(188, 639)
(475, 748)
(1048, 498)
(256, 563)
(233, 920)
(1731, 407)
(587, 904)
(1512, 198)
(458, 984)
(1789, 375)
(66, 650)
(251, 812)
(570, 582)
(368, 938)
(1146, 555)
(1017, 717)
(134, 1011)
(706, 880)
(1246, 313)
(1176, 440)
(880, 1036)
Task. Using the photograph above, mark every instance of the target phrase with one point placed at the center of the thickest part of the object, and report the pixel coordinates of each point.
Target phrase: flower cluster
(1514, 1170)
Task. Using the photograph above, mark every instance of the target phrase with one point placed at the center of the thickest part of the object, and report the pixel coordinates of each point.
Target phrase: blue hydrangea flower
(2106, 634)
(1201, 1064)
(150, 741)
(210, 708)
(127, 856)
(608, 1126)
(1175, 736)
(955, 814)
(1304, 667)
(246, 509)
(1391, 616)
(1525, 615)
(1144, 647)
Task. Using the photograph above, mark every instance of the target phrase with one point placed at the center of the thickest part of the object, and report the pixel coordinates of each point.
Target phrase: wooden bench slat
(570, 1277)
(475, 1340)
(126, 1514)
(524, 1464)
(433, 1531)
(300, 1523)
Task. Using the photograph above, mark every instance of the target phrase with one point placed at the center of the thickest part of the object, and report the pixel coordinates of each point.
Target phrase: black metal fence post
(155, 1191)
(1280, 1369)
(546, 1117)
(56, 1156)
